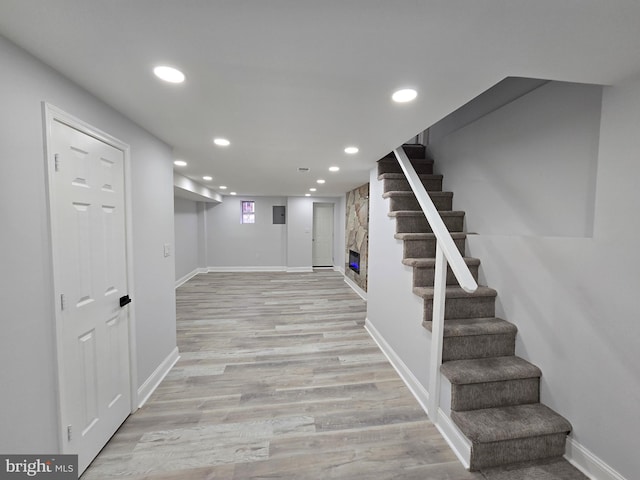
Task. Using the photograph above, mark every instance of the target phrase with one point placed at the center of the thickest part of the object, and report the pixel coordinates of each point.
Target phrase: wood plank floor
(277, 380)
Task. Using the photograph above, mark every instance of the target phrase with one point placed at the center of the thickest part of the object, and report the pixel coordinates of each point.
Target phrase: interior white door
(90, 268)
(322, 235)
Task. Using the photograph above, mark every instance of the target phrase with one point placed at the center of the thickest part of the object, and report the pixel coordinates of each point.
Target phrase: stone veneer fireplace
(357, 235)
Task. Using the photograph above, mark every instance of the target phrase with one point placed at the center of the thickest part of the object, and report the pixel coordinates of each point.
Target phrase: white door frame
(52, 114)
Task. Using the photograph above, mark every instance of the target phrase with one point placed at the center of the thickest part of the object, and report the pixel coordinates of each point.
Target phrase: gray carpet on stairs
(552, 469)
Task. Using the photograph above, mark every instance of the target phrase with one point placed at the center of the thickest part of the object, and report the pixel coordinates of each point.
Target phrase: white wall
(186, 222)
(28, 404)
(556, 214)
(392, 308)
(232, 244)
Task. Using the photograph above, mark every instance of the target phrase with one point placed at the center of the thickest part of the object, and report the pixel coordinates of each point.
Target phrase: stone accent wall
(357, 233)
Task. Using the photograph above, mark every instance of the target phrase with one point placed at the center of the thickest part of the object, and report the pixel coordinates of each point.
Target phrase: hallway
(277, 379)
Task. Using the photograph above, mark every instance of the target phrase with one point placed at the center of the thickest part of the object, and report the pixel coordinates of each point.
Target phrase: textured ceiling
(292, 82)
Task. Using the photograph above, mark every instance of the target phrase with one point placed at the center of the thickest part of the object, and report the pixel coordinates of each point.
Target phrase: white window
(248, 212)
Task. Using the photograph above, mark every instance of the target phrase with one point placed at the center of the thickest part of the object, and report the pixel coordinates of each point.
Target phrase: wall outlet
(167, 249)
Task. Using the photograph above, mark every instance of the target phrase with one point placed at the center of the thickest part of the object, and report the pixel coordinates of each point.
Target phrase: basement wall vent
(303, 169)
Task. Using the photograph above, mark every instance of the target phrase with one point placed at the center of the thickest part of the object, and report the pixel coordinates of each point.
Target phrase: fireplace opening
(354, 261)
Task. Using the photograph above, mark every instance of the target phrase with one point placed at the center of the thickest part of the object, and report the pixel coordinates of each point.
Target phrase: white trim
(460, 444)
(338, 268)
(585, 461)
(246, 269)
(181, 281)
(151, 383)
(414, 385)
(51, 113)
(355, 287)
(299, 269)
(449, 431)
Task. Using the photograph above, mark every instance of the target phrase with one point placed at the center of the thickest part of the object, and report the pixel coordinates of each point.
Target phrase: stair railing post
(437, 331)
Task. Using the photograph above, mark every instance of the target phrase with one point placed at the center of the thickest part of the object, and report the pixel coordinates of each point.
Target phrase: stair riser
(423, 276)
(484, 455)
(418, 224)
(478, 346)
(427, 248)
(467, 307)
(391, 165)
(412, 150)
(411, 203)
(495, 394)
(401, 185)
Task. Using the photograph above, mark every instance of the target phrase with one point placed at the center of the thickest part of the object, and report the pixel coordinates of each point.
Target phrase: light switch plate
(167, 249)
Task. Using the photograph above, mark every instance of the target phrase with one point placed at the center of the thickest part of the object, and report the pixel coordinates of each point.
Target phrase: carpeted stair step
(423, 245)
(470, 338)
(492, 382)
(391, 165)
(460, 304)
(396, 182)
(424, 270)
(504, 435)
(409, 221)
(412, 151)
(408, 201)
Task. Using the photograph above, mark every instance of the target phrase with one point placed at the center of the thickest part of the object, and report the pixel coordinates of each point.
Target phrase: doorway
(322, 250)
(92, 277)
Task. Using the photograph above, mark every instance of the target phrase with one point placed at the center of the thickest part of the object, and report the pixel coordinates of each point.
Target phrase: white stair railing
(446, 253)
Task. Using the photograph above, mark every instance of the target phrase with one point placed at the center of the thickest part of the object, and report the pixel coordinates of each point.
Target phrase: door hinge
(56, 161)
(62, 301)
(69, 433)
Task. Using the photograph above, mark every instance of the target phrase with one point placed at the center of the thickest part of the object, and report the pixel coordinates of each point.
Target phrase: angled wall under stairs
(495, 395)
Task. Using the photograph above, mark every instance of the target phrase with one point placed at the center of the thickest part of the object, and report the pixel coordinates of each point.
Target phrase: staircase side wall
(392, 309)
(550, 185)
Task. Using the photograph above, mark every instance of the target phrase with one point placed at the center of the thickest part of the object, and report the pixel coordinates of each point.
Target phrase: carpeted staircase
(495, 396)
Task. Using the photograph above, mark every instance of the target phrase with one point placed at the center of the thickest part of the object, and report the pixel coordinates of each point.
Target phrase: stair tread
(418, 213)
(468, 327)
(492, 369)
(509, 423)
(401, 176)
(456, 292)
(406, 193)
(427, 236)
(431, 261)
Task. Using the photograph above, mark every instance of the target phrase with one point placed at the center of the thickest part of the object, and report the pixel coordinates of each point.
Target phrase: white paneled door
(87, 197)
(322, 251)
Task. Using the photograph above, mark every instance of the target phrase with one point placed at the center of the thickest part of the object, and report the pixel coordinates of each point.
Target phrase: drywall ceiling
(292, 82)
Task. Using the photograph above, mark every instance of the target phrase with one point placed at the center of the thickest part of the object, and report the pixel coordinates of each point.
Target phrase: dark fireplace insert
(354, 261)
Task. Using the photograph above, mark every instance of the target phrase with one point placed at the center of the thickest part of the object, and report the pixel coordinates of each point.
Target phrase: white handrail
(444, 239)
(446, 252)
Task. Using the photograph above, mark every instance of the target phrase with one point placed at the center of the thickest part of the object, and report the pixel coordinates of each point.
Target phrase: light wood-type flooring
(277, 379)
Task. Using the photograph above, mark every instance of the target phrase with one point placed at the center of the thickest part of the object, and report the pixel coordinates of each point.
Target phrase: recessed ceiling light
(180, 163)
(207, 178)
(404, 95)
(320, 181)
(169, 74)
(351, 150)
(307, 194)
(334, 169)
(232, 193)
(312, 189)
(222, 187)
(221, 142)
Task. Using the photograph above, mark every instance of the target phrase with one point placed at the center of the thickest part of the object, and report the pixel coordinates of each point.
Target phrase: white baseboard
(246, 269)
(151, 383)
(585, 461)
(338, 268)
(456, 440)
(181, 281)
(416, 388)
(355, 287)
